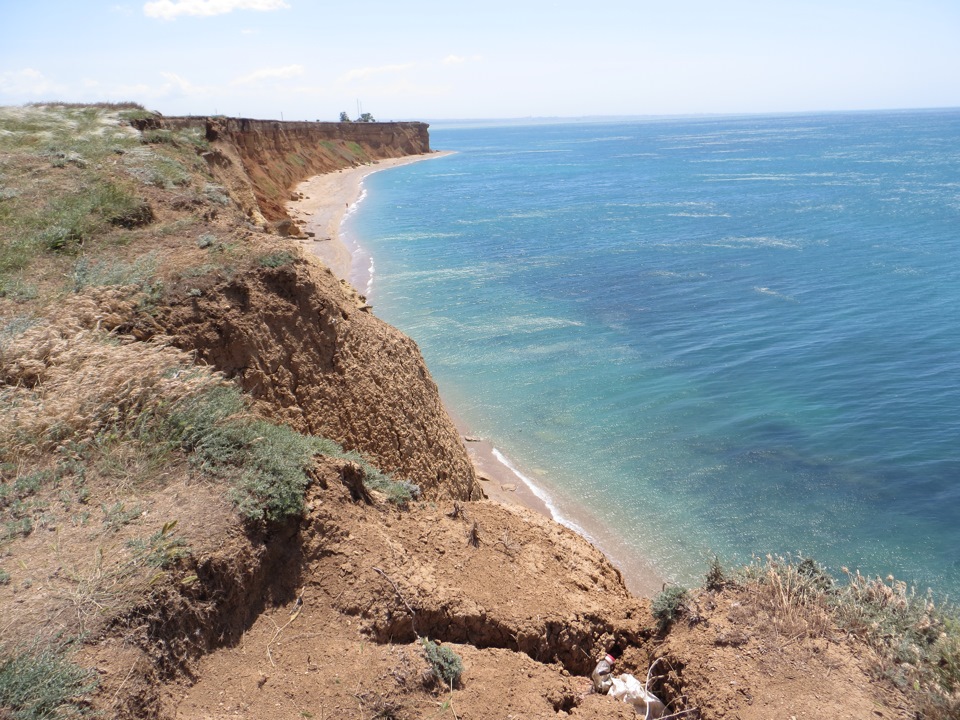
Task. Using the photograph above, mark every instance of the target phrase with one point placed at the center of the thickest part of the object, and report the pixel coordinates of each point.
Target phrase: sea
(698, 337)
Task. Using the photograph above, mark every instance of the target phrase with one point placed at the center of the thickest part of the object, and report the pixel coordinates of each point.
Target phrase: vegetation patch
(84, 391)
(276, 259)
(140, 273)
(68, 221)
(43, 683)
(916, 637)
(446, 666)
(668, 605)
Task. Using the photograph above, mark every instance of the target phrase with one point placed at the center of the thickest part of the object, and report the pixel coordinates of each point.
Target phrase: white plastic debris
(630, 690)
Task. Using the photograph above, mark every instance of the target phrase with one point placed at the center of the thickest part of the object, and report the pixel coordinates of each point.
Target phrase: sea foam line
(359, 276)
(543, 497)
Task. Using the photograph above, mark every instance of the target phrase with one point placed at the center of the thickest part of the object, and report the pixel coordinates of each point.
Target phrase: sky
(433, 59)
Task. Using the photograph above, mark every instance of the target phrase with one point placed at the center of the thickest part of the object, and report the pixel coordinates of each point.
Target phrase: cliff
(295, 340)
(261, 160)
(292, 336)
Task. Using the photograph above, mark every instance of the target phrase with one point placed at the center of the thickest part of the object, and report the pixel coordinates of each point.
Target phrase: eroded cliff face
(261, 160)
(296, 340)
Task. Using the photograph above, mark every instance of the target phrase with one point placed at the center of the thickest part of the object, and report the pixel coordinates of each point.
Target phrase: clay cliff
(262, 160)
(298, 342)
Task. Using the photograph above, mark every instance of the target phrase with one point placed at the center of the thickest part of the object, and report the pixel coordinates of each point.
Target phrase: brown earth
(320, 616)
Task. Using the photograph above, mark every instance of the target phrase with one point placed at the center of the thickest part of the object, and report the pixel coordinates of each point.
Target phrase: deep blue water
(720, 335)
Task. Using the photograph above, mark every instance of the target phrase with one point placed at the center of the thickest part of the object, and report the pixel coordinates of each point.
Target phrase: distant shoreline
(326, 201)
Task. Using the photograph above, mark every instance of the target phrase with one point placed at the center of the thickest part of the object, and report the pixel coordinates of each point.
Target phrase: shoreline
(325, 201)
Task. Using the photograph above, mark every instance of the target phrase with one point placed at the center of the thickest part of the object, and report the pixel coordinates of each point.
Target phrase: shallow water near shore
(713, 335)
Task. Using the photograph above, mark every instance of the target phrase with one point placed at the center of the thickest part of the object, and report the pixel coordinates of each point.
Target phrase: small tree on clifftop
(344, 117)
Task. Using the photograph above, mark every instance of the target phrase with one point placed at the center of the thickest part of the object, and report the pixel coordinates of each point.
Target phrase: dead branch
(413, 615)
(473, 537)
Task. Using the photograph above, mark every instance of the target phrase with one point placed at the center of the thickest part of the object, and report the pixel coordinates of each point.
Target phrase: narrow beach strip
(325, 201)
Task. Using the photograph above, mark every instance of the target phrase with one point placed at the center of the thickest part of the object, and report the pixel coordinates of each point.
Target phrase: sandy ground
(325, 200)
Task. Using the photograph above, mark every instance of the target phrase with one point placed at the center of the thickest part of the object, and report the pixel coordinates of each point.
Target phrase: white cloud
(364, 73)
(182, 85)
(287, 71)
(27, 82)
(170, 9)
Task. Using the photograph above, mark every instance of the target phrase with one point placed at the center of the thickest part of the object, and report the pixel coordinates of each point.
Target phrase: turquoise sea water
(714, 335)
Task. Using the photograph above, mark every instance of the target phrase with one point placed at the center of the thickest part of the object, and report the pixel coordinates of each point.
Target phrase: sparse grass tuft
(161, 550)
(141, 273)
(790, 591)
(42, 683)
(715, 579)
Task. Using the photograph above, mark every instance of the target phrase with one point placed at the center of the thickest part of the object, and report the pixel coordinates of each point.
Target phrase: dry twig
(413, 615)
(293, 616)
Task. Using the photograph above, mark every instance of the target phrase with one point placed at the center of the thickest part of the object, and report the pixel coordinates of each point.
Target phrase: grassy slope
(94, 423)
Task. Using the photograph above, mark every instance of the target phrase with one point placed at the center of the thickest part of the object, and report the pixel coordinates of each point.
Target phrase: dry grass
(71, 380)
(916, 639)
(790, 593)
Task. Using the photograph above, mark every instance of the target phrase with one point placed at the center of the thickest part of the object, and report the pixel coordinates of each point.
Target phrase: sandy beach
(324, 202)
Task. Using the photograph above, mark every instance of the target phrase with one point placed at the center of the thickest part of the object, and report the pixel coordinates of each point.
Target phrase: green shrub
(399, 492)
(715, 578)
(42, 683)
(445, 665)
(266, 463)
(276, 259)
(668, 605)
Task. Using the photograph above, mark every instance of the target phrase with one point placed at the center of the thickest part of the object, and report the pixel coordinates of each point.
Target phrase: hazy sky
(493, 59)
